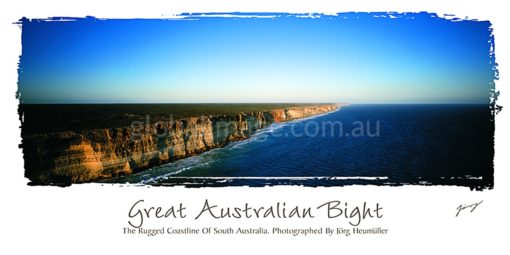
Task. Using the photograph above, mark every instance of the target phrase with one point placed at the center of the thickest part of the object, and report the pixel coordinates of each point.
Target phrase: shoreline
(63, 158)
(252, 138)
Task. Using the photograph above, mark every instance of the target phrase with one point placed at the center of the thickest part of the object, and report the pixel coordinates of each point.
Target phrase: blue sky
(355, 58)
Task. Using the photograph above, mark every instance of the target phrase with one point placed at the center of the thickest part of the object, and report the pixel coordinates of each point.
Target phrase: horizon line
(341, 103)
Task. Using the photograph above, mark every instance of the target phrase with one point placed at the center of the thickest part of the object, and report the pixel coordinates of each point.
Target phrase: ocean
(355, 145)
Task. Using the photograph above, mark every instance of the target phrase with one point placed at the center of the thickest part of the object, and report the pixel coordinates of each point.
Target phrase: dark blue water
(360, 144)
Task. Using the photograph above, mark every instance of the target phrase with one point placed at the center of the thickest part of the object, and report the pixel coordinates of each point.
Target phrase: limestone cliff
(73, 157)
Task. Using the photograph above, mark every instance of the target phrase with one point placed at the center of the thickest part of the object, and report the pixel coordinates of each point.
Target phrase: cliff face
(73, 157)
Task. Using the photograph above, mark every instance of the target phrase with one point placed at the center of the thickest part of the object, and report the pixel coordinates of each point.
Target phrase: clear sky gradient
(355, 58)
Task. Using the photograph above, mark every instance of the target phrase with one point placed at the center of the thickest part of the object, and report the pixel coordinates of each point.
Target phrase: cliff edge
(69, 157)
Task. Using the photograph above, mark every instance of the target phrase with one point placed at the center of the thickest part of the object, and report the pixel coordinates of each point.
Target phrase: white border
(84, 219)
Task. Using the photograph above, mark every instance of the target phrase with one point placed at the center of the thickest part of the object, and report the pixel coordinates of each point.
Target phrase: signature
(463, 207)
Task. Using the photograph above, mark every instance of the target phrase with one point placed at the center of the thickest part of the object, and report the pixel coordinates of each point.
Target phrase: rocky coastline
(62, 158)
